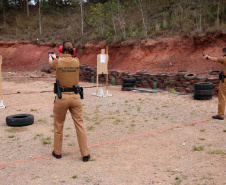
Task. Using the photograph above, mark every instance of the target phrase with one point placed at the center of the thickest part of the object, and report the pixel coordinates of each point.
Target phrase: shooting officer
(67, 98)
(222, 84)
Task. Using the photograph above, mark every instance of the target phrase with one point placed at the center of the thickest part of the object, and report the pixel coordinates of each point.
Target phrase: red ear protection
(60, 49)
(74, 51)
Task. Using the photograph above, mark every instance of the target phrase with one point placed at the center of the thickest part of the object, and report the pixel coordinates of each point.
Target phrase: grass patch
(10, 130)
(202, 130)
(74, 176)
(216, 152)
(11, 136)
(117, 121)
(71, 144)
(39, 135)
(33, 110)
(178, 181)
(201, 139)
(198, 148)
(90, 127)
(67, 135)
(88, 180)
(43, 120)
(46, 140)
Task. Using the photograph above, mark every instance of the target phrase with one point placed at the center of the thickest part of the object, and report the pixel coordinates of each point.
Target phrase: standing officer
(222, 85)
(68, 98)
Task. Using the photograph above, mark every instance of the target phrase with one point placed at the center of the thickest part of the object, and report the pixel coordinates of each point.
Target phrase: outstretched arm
(211, 58)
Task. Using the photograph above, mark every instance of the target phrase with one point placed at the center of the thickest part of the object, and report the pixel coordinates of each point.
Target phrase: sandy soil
(134, 138)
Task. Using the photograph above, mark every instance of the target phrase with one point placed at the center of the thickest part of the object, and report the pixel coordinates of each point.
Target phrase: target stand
(2, 106)
(102, 68)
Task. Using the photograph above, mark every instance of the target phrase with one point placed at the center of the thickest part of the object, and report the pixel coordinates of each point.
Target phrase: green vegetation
(10, 130)
(108, 20)
(44, 121)
(216, 152)
(33, 109)
(71, 144)
(198, 148)
(46, 140)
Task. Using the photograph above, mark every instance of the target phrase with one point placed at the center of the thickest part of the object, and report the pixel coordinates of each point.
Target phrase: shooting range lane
(106, 143)
(129, 134)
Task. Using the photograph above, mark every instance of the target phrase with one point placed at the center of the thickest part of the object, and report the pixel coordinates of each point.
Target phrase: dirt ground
(168, 55)
(133, 138)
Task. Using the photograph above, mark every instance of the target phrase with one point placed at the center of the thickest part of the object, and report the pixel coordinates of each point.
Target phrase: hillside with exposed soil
(154, 55)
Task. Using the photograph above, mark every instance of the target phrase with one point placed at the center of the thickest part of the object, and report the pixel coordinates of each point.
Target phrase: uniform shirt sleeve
(222, 60)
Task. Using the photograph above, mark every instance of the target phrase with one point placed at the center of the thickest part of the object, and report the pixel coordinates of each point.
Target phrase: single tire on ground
(128, 84)
(202, 97)
(204, 86)
(129, 80)
(204, 92)
(19, 120)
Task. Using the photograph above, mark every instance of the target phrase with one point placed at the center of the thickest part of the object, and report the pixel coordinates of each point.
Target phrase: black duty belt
(67, 89)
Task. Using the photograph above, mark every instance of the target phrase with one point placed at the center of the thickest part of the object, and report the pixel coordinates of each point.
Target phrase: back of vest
(68, 72)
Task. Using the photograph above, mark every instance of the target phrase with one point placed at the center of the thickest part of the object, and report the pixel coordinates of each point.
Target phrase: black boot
(218, 117)
(56, 156)
(86, 158)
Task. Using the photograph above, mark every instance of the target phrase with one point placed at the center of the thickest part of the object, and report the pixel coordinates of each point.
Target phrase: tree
(40, 16)
(81, 4)
(139, 3)
(98, 16)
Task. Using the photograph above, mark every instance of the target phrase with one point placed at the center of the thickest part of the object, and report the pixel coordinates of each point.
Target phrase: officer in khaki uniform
(222, 84)
(67, 74)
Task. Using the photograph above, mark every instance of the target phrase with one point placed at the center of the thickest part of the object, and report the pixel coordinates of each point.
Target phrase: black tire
(127, 88)
(129, 80)
(203, 86)
(128, 84)
(214, 72)
(204, 92)
(19, 120)
(202, 97)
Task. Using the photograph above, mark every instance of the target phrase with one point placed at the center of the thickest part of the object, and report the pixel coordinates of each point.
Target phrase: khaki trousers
(222, 99)
(70, 101)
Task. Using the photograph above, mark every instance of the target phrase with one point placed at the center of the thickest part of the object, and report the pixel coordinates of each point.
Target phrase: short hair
(224, 50)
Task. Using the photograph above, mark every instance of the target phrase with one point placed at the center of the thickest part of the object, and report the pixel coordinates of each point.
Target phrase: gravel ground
(134, 138)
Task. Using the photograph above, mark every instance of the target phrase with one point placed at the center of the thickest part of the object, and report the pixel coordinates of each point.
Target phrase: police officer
(67, 74)
(222, 84)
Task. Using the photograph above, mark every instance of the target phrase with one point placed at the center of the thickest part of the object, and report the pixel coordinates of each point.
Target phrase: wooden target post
(2, 106)
(102, 68)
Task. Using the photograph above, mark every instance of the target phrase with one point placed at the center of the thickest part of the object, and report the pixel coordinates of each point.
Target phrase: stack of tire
(128, 84)
(203, 91)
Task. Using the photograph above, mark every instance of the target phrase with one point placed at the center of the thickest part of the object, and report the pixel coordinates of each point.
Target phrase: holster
(57, 89)
(79, 90)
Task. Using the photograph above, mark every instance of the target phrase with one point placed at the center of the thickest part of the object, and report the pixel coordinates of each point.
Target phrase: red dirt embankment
(154, 55)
